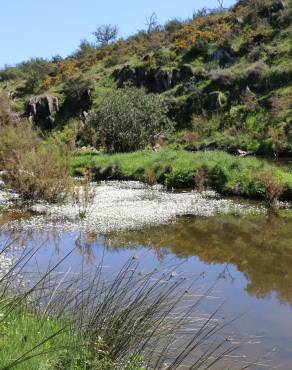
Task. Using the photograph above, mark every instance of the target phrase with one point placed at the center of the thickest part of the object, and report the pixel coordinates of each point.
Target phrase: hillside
(224, 75)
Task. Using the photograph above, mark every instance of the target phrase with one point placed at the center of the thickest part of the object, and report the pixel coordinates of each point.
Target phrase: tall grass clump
(85, 321)
(83, 195)
(34, 168)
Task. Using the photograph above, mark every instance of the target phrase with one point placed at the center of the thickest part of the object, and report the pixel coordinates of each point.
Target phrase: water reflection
(259, 246)
(251, 255)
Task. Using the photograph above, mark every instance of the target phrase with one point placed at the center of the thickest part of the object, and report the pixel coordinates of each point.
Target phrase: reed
(85, 321)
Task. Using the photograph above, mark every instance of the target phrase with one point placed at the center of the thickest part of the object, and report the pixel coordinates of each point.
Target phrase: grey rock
(42, 110)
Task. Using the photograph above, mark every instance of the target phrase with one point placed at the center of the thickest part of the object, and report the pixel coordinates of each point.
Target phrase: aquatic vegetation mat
(129, 205)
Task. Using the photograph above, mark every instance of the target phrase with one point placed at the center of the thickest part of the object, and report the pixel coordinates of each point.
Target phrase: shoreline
(178, 169)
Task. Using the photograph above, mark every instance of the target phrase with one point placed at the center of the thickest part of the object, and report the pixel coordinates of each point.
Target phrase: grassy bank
(34, 341)
(21, 331)
(223, 172)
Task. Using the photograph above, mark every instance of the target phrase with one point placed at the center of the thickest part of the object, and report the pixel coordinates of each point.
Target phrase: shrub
(67, 69)
(211, 28)
(116, 56)
(253, 11)
(76, 87)
(280, 103)
(200, 179)
(129, 119)
(172, 26)
(35, 169)
(8, 73)
(35, 71)
(32, 83)
(77, 91)
(5, 110)
(85, 48)
(162, 57)
(221, 78)
(7, 116)
(274, 188)
(203, 125)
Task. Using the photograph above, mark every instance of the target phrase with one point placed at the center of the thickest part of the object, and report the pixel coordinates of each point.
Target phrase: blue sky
(43, 28)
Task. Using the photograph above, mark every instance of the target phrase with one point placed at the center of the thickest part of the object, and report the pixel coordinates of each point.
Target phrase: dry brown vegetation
(35, 169)
(5, 110)
(200, 179)
(83, 195)
(274, 188)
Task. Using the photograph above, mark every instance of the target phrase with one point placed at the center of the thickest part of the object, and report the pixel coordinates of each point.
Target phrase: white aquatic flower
(130, 205)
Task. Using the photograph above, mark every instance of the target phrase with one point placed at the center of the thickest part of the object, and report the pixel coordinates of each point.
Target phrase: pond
(231, 242)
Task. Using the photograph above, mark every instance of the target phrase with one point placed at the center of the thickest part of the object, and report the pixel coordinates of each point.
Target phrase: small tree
(129, 119)
(106, 34)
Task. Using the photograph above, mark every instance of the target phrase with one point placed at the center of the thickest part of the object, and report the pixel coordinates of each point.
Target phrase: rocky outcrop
(42, 110)
(154, 80)
(225, 58)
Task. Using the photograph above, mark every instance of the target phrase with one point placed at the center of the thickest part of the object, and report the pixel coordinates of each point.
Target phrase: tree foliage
(129, 119)
(106, 34)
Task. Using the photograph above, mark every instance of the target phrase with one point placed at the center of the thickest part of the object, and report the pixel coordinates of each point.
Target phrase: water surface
(248, 253)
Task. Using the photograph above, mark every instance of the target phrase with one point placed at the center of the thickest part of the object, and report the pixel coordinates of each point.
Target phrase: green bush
(129, 119)
(8, 74)
(34, 72)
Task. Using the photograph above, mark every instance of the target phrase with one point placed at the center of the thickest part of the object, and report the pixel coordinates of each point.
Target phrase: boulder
(42, 110)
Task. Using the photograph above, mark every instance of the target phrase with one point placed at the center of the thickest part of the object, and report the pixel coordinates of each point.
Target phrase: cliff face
(226, 75)
(154, 80)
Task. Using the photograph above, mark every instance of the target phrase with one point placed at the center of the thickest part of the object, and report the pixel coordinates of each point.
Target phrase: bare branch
(152, 23)
(220, 4)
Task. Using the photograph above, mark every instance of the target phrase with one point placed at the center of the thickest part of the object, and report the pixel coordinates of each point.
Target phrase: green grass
(177, 168)
(21, 331)
(32, 341)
